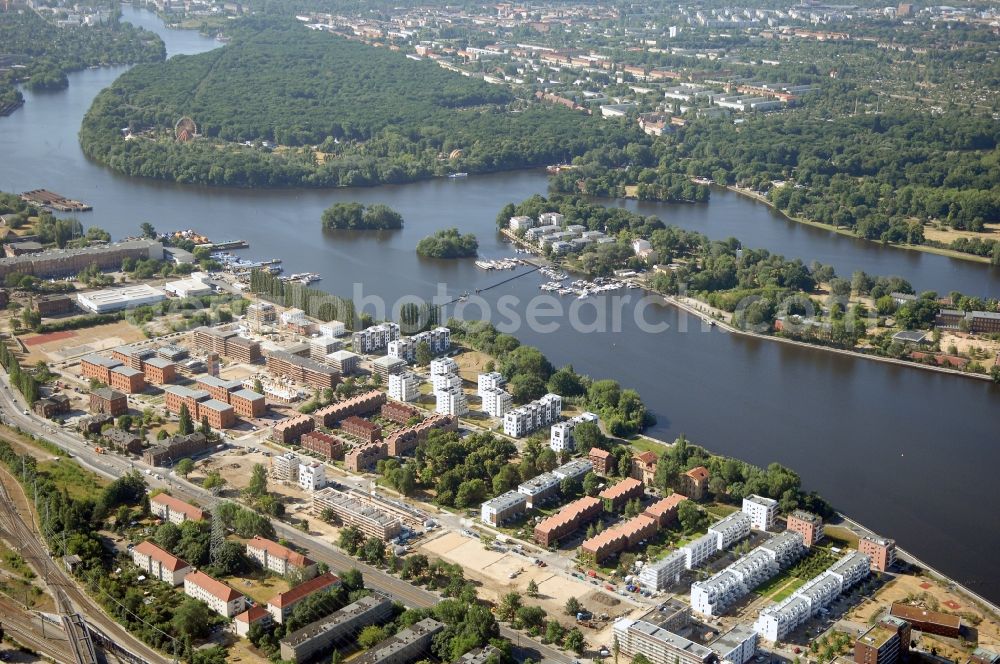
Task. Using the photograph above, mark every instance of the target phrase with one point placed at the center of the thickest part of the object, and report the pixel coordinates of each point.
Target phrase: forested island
(281, 105)
(358, 217)
(448, 243)
(48, 52)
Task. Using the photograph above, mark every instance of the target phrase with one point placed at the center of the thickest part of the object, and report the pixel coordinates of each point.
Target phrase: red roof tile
(289, 597)
(177, 505)
(213, 586)
(278, 551)
(168, 560)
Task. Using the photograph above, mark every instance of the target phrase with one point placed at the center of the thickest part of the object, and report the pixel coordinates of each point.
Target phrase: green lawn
(641, 444)
(66, 474)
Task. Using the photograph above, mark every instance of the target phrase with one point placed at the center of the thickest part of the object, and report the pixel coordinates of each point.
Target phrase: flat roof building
(318, 637)
(406, 646)
(505, 507)
(117, 299)
(659, 646)
(352, 512)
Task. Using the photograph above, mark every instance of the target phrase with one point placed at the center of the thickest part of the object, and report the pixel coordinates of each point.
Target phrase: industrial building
(70, 262)
(118, 299)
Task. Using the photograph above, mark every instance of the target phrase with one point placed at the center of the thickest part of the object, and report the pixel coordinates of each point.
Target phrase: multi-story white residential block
(730, 530)
(738, 645)
(278, 558)
(550, 219)
(332, 329)
(496, 401)
(375, 337)
(446, 381)
(293, 317)
(404, 386)
(489, 381)
(503, 508)
(443, 366)
(312, 476)
(698, 551)
(218, 596)
(723, 589)
(561, 436)
(174, 510)
(520, 223)
(529, 417)
(663, 573)
(539, 489)
(285, 467)
(774, 622)
(159, 564)
(761, 511)
(576, 469)
(451, 401)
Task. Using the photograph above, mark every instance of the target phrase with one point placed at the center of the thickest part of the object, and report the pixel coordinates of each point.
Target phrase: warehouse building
(70, 262)
(118, 299)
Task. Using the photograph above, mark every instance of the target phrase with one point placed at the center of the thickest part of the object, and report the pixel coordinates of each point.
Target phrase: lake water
(908, 452)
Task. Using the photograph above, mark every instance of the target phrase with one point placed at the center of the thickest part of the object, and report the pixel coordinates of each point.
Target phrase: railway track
(31, 634)
(68, 596)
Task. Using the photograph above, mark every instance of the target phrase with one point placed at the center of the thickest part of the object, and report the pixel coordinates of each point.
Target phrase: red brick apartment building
(126, 379)
(291, 429)
(567, 520)
(361, 429)
(406, 440)
(362, 404)
(615, 497)
(323, 444)
(398, 412)
(108, 401)
(364, 457)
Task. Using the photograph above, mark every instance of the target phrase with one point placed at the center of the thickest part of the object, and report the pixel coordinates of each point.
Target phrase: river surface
(910, 453)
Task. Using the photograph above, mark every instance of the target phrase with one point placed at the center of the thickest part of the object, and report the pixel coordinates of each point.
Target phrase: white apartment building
(730, 530)
(451, 401)
(576, 469)
(503, 508)
(159, 564)
(663, 573)
(285, 467)
(293, 317)
(561, 436)
(443, 366)
(375, 337)
(550, 219)
(497, 402)
(489, 381)
(714, 595)
(774, 622)
(332, 329)
(312, 476)
(446, 381)
(520, 223)
(538, 489)
(761, 511)
(278, 558)
(698, 551)
(218, 596)
(173, 510)
(529, 417)
(404, 386)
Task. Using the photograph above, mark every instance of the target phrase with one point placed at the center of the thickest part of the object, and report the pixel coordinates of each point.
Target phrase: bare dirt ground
(89, 340)
(964, 343)
(936, 596)
(493, 570)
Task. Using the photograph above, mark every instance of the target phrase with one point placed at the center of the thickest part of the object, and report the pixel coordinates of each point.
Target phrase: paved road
(112, 466)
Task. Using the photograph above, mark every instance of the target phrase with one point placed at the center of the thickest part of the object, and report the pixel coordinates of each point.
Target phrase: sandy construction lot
(59, 346)
(493, 570)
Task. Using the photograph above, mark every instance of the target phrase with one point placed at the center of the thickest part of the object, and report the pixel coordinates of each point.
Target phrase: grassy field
(78, 482)
(641, 444)
(259, 586)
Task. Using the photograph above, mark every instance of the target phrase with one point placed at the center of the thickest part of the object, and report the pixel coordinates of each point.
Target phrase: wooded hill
(339, 112)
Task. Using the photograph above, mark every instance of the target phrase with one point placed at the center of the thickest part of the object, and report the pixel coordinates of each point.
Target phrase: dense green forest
(881, 175)
(356, 217)
(319, 110)
(448, 243)
(48, 52)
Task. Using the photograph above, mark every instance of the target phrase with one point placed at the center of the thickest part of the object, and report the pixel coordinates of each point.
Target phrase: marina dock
(55, 201)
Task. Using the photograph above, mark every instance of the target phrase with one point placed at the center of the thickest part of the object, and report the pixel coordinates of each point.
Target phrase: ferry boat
(458, 175)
